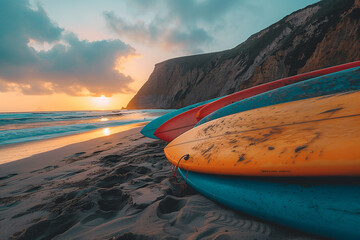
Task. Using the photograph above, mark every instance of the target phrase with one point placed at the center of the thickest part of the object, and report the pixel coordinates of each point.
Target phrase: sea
(18, 130)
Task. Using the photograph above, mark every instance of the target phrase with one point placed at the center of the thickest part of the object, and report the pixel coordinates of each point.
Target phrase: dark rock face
(321, 35)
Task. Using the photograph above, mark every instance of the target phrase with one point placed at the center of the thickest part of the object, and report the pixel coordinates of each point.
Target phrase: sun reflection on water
(104, 119)
(107, 131)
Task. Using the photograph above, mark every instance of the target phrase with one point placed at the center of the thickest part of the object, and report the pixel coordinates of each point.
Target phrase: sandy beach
(115, 187)
(273, 88)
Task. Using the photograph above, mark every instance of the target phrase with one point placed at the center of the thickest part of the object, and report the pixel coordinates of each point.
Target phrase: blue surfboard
(342, 81)
(149, 129)
(327, 207)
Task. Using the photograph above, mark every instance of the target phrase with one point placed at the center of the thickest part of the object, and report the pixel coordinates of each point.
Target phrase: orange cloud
(38, 58)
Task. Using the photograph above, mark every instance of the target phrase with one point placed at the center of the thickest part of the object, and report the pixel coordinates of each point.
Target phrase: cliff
(321, 35)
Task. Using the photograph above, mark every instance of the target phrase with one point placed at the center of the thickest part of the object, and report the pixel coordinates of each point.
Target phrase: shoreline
(115, 187)
(18, 151)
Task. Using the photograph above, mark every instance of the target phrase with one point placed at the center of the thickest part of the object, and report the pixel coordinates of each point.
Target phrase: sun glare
(101, 101)
(107, 131)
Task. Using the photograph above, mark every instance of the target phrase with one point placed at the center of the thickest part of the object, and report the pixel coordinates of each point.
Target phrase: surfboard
(229, 99)
(311, 137)
(149, 129)
(183, 122)
(345, 80)
(328, 207)
(177, 125)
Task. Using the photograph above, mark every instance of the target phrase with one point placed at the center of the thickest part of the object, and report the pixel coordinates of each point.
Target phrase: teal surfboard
(327, 207)
(342, 81)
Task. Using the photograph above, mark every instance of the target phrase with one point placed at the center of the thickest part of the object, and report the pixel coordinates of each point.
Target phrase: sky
(96, 54)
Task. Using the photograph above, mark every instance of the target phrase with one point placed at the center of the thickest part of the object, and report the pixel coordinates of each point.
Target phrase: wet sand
(115, 187)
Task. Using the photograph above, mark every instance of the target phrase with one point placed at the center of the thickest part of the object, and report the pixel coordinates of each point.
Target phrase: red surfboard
(177, 125)
(181, 123)
(229, 99)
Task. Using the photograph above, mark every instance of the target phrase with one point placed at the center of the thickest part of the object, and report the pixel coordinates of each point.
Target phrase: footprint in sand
(170, 205)
(112, 200)
(32, 189)
(33, 209)
(75, 157)
(62, 176)
(111, 159)
(8, 176)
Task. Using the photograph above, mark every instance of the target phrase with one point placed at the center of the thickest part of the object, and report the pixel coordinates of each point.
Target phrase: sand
(115, 187)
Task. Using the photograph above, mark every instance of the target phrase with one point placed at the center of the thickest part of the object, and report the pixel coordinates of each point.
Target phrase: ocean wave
(44, 132)
(30, 134)
(25, 118)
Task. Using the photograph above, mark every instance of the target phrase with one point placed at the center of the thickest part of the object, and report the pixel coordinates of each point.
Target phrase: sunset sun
(101, 101)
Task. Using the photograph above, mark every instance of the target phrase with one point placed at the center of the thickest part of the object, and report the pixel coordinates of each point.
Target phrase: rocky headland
(321, 35)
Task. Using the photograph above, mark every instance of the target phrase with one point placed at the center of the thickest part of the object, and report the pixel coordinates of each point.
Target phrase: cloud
(69, 65)
(159, 35)
(207, 11)
(187, 25)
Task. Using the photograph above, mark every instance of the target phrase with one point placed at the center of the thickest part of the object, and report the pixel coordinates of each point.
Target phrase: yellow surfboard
(312, 137)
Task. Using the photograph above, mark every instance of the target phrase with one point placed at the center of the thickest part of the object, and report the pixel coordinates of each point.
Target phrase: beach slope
(115, 187)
